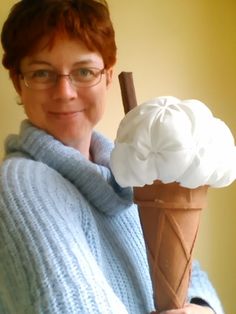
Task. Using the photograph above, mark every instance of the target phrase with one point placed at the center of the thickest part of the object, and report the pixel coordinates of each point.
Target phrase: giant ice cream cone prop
(169, 217)
(170, 151)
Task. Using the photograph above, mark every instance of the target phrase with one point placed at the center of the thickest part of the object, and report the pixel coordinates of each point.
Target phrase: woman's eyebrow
(39, 62)
(77, 63)
(85, 62)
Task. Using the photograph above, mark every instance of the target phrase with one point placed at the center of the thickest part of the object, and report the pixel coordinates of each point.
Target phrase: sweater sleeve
(43, 270)
(201, 288)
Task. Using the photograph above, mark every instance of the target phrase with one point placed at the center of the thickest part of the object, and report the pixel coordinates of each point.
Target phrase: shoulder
(25, 180)
(20, 170)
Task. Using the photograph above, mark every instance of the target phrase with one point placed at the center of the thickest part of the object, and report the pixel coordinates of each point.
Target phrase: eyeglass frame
(59, 75)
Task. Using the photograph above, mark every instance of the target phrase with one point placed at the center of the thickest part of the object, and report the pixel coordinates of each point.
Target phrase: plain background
(183, 48)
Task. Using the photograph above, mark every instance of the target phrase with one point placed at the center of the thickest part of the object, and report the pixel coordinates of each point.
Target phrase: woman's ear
(16, 82)
(109, 76)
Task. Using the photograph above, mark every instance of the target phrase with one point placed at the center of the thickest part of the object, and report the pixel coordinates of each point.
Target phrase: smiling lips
(65, 115)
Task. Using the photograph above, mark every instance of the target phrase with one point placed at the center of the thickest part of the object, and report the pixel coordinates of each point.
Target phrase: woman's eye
(42, 74)
(83, 73)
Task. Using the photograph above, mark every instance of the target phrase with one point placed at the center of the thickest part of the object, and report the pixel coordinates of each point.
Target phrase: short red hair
(31, 20)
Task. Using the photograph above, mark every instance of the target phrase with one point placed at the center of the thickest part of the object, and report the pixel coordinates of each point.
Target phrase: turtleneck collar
(94, 179)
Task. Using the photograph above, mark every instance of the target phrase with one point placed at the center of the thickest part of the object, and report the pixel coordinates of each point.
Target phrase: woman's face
(64, 111)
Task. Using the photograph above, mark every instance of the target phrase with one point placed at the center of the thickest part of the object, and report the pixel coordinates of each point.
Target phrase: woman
(70, 238)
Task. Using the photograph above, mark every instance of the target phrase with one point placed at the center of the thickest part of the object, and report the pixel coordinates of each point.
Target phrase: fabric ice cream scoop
(171, 140)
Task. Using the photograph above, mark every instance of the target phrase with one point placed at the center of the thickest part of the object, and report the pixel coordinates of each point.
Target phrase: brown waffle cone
(170, 216)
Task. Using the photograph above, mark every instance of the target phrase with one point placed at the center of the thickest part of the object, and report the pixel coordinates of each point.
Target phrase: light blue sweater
(70, 238)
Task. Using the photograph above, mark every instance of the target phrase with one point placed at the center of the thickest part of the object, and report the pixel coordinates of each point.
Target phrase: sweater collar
(94, 180)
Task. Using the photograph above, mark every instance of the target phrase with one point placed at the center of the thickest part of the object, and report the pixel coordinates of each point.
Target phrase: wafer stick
(127, 91)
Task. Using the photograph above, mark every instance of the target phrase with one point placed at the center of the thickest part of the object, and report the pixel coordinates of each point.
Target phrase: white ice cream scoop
(171, 140)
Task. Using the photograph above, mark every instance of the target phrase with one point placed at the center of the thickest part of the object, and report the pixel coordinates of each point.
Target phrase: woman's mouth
(64, 115)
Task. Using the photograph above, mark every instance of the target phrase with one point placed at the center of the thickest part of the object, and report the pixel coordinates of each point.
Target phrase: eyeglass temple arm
(127, 91)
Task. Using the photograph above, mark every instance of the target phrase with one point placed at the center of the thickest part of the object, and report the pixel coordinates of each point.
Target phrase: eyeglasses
(44, 79)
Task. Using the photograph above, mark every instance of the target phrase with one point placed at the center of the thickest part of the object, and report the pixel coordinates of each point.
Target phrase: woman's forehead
(63, 51)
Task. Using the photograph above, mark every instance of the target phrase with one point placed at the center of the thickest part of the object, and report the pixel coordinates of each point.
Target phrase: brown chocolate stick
(127, 91)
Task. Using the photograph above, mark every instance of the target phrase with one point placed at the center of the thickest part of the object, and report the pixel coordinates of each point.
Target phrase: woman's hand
(189, 309)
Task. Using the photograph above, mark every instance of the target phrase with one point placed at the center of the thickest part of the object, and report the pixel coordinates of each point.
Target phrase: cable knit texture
(70, 237)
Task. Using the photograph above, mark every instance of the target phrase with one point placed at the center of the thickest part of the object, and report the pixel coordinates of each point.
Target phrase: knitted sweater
(70, 237)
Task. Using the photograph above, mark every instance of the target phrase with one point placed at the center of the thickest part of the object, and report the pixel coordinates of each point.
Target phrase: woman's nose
(64, 88)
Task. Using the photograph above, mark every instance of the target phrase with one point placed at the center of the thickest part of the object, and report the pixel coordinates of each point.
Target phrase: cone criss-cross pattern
(170, 218)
